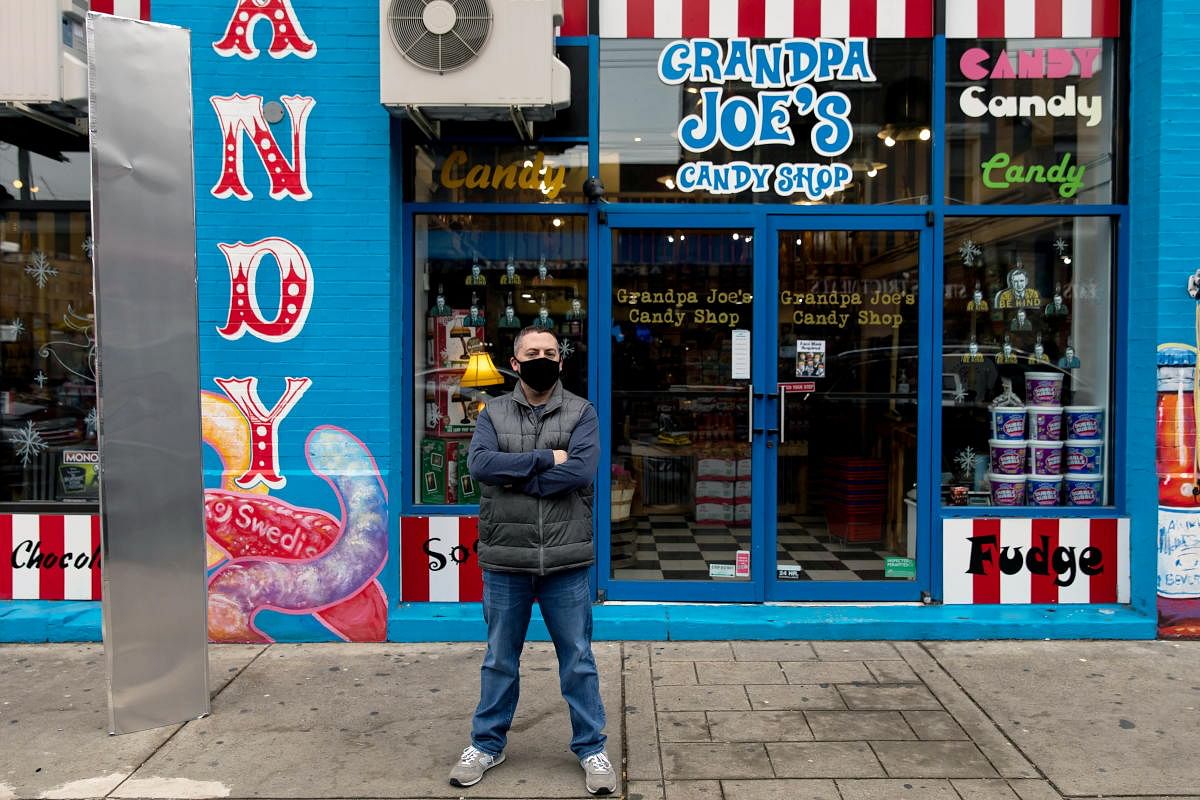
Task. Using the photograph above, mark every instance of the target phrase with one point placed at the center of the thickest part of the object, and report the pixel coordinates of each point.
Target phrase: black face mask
(540, 374)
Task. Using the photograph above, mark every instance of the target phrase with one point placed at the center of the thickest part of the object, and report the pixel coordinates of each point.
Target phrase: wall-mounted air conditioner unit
(472, 59)
(43, 52)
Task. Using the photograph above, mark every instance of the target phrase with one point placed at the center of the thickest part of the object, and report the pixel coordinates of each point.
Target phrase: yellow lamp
(481, 370)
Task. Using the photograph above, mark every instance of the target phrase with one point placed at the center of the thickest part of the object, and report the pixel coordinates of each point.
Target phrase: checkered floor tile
(671, 548)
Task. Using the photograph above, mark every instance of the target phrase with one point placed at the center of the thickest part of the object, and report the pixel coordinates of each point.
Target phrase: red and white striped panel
(437, 560)
(991, 585)
(1033, 19)
(765, 19)
(575, 18)
(133, 9)
(49, 557)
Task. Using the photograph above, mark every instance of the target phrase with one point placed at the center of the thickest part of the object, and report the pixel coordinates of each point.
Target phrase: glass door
(847, 455)
(679, 417)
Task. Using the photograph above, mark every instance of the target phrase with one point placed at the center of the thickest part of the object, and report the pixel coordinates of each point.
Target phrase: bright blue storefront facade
(367, 222)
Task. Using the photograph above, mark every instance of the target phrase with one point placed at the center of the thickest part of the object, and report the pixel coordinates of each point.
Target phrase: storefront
(852, 287)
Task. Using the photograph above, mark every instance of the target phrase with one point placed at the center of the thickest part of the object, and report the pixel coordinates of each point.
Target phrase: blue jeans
(566, 605)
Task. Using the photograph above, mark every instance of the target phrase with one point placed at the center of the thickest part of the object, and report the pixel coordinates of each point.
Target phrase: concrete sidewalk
(735, 720)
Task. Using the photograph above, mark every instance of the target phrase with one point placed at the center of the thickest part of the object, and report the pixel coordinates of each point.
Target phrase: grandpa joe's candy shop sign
(788, 75)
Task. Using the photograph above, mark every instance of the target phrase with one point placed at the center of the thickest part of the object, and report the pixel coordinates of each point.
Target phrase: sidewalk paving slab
(784, 789)
(347, 720)
(55, 725)
(641, 728)
(1003, 754)
(1140, 701)
(894, 789)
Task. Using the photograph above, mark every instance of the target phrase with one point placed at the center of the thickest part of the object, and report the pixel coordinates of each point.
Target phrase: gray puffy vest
(522, 533)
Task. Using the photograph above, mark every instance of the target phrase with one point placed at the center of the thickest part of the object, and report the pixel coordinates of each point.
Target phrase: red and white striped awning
(133, 9)
(765, 19)
(881, 19)
(1033, 19)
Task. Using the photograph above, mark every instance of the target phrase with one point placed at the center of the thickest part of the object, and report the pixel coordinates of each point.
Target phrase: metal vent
(440, 35)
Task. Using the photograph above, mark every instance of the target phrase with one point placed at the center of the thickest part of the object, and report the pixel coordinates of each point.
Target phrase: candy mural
(264, 553)
(1179, 483)
(296, 505)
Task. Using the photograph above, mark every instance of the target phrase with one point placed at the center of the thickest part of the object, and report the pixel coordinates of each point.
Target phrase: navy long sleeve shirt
(535, 472)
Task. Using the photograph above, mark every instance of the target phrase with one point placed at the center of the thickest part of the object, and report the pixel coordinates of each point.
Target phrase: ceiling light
(17, 183)
(35, 189)
(670, 238)
(889, 141)
(749, 239)
(637, 138)
(872, 172)
(1066, 259)
(557, 222)
(736, 236)
(682, 238)
(925, 134)
(799, 241)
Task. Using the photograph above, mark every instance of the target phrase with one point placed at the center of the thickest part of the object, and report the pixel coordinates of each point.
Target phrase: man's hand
(560, 456)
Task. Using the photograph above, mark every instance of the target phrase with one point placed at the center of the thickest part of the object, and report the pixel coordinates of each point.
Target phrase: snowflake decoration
(17, 328)
(1060, 244)
(970, 252)
(40, 270)
(567, 348)
(40, 379)
(90, 421)
(965, 460)
(28, 442)
(87, 246)
(960, 396)
(68, 354)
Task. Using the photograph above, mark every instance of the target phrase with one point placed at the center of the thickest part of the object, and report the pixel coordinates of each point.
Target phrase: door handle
(750, 427)
(782, 414)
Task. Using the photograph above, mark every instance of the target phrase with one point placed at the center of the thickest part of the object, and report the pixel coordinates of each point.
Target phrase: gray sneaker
(601, 777)
(471, 765)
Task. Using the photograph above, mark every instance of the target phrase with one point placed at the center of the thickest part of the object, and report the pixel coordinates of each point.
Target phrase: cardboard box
(448, 410)
(446, 339)
(445, 478)
(433, 471)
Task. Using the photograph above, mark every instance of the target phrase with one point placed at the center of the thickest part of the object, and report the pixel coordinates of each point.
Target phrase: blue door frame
(766, 225)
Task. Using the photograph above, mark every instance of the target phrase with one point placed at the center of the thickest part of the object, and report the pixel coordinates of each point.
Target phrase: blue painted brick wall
(344, 229)
(1165, 212)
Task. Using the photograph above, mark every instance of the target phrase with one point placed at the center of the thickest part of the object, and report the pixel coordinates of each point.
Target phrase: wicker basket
(622, 501)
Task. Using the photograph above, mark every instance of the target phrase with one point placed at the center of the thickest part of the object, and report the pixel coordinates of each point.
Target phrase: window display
(1026, 362)
(47, 359)
(481, 278)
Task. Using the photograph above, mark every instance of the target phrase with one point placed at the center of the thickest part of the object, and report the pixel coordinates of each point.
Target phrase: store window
(1027, 361)
(47, 358)
(480, 279)
(860, 134)
(1032, 121)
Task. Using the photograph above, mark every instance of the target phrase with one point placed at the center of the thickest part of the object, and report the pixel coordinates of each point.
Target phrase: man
(535, 453)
